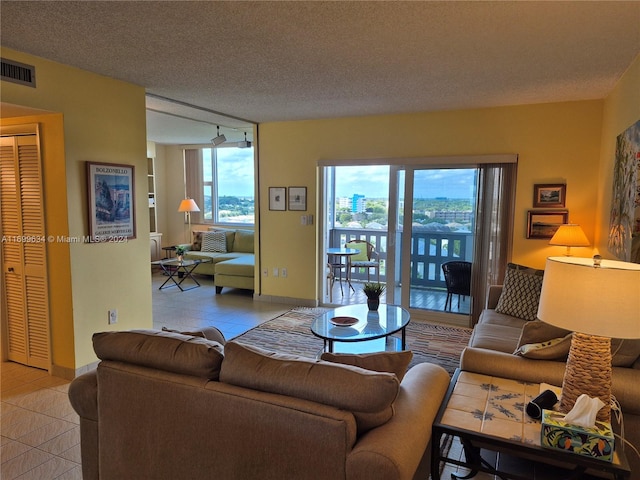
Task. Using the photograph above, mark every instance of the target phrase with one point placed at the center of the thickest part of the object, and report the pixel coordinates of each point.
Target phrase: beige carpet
(291, 333)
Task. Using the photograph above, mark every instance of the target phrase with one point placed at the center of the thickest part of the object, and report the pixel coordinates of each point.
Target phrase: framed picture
(111, 197)
(298, 198)
(544, 224)
(277, 198)
(549, 196)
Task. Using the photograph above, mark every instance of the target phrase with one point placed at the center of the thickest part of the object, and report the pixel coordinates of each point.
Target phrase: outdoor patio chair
(457, 275)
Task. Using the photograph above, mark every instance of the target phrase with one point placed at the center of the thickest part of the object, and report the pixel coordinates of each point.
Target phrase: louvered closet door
(24, 251)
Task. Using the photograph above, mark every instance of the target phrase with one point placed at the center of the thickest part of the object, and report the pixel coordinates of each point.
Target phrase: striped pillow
(214, 242)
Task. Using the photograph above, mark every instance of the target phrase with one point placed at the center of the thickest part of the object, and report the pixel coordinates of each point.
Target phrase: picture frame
(545, 223)
(297, 198)
(277, 198)
(549, 195)
(111, 197)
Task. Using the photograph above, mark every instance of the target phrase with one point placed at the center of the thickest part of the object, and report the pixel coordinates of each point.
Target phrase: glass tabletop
(336, 325)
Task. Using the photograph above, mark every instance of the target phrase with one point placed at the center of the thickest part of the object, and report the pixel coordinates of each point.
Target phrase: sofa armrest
(493, 295)
(83, 395)
(625, 382)
(397, 449)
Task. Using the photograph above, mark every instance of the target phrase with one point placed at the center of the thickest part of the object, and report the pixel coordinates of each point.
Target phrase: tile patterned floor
(39, 430)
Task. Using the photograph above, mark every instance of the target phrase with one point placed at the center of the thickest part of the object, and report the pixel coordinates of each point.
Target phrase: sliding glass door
(423, 219)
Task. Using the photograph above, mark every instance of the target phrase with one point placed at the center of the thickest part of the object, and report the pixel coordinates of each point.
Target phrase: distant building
(449, 216)
(355, 204)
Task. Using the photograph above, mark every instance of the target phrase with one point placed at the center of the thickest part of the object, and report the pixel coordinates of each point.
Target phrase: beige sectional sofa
(498, 335)
(230, 255)
(164, 405)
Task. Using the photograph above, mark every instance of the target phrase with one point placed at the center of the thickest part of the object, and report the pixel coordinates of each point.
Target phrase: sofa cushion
(342, 386)
(502, 338)
(171, 352)
(495, 318)
(392, 362)
(214, 242)
(521, 292)
(243, 266)
(624, 352)
(243, 241)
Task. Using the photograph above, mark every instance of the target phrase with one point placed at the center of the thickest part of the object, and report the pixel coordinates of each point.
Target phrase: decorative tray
(344, 321)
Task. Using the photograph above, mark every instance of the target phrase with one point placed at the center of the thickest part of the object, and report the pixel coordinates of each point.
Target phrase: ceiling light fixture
(218, 139)
(245, 143)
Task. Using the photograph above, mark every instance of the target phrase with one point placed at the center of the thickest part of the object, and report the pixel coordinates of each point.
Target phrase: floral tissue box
(596, 442)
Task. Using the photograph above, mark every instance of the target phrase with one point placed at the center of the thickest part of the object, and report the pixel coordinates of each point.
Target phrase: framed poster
(549, 196)
(277, 198)
(111, 195)
(298, 198)
(545, 223)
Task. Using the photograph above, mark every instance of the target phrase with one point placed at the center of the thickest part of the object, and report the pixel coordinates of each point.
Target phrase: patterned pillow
(521, 292)
(214, 242)
(197, 241)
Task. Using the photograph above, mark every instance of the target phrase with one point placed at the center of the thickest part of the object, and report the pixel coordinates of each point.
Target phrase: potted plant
(373, 292)
(180, 251)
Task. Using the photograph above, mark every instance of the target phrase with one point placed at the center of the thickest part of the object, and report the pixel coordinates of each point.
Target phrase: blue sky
(373, 182)
(236, 168)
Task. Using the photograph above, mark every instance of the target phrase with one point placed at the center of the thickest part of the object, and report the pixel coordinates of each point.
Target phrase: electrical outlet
(265, 272)
(283, 272)
(113, 316)
(275, 272)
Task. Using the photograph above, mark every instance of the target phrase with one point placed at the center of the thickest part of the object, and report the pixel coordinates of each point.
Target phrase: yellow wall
(621, 110)
(556, 143)
(104, 121)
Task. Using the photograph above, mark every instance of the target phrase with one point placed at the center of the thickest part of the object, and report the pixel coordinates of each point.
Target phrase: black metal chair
(457, 275)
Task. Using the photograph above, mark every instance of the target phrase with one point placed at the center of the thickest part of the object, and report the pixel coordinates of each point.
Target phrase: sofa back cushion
(392, 362)
(367, 394)
(521, 292)
(171, 352)
(243, 241)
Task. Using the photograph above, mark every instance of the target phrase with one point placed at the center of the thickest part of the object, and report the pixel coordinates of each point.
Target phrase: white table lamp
(597, 300)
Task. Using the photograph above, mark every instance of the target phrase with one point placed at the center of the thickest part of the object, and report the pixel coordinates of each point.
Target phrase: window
(221, 180)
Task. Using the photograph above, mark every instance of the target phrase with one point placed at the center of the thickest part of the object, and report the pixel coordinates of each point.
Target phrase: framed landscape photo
(544, 224)
(277, 198)
(111, 195)
(549, 195)
(298, 198)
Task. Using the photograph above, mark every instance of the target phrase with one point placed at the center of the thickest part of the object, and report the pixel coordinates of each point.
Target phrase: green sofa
(231, 255)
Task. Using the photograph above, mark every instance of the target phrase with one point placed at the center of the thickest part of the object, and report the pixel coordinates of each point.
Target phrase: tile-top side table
(488, 415)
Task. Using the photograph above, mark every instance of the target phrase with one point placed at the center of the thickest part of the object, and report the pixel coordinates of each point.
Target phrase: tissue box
(596, 442)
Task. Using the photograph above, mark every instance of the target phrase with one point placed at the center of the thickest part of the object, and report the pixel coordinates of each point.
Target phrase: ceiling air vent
(17, 72)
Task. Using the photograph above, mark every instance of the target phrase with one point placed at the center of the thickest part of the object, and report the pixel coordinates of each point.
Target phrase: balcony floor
(421, 298)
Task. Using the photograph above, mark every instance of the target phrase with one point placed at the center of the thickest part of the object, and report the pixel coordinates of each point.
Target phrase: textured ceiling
(274, 61)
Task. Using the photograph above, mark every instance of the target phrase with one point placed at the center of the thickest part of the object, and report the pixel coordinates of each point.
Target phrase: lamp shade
(570, 235)
(188, 205)
(596, 300)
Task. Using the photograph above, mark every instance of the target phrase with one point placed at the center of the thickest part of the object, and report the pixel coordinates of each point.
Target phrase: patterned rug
(291, 333)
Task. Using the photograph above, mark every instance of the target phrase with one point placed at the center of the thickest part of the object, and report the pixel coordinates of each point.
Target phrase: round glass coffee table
(356, 323)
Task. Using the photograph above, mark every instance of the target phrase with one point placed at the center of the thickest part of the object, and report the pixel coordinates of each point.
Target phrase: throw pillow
(554, 349)
(210, 333)
(392, 362)
(214, 242)
(197, 241)
(521, 292)
(538, 331)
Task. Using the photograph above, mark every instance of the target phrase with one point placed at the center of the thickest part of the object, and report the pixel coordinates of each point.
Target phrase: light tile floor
(39, 430)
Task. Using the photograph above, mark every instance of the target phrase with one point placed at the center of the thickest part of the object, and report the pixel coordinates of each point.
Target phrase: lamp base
(588, 371)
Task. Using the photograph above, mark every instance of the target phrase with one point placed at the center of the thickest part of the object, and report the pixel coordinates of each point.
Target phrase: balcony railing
(429, 250)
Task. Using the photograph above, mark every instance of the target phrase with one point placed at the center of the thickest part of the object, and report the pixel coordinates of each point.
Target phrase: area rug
(291, 333)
